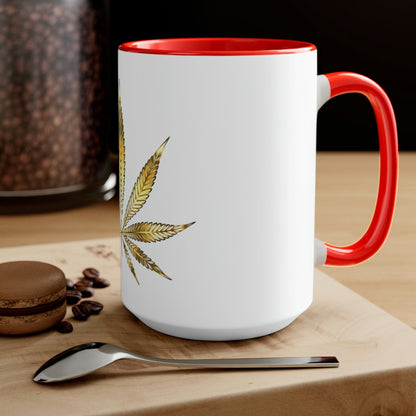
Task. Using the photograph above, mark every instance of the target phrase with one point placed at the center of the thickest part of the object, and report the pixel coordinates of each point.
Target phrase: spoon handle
(267, 362)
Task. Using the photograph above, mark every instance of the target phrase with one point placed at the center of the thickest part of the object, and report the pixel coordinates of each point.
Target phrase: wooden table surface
(345, 197)
(376, 376)
(377, 373)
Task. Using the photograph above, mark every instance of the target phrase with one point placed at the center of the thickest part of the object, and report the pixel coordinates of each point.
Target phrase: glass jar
(54, 150)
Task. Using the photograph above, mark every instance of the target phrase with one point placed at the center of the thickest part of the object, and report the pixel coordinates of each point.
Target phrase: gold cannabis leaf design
(150, 232)
(129, 262)
(145, 232)
(143, 259)
(122, 152)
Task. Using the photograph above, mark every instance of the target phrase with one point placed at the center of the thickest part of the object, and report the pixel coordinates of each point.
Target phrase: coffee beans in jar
(53, 145)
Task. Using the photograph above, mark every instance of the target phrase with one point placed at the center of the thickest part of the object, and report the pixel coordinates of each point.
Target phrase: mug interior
(217, 46)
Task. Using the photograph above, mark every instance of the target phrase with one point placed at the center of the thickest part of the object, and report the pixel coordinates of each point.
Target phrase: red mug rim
(217, 46)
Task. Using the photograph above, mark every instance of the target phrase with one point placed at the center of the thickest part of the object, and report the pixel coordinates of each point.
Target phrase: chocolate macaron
(32, 297)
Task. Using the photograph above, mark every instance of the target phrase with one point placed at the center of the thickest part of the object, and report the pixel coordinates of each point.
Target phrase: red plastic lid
(218, 46)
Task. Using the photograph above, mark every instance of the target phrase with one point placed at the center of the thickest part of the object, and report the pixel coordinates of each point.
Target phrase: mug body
(236, 177)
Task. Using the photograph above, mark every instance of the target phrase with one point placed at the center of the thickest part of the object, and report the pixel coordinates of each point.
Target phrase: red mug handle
(337, 83)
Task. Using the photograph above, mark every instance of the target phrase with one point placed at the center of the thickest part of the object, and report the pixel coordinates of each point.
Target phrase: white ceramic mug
(217, 182)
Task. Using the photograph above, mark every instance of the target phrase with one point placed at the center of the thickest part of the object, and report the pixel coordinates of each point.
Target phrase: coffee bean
(64, 327)
(85, 308)
(94, 307)
(101, 283)
(87, 292)
(91, 273)
(83, 283)
(73, 297)
(69, 284)
(81, 313)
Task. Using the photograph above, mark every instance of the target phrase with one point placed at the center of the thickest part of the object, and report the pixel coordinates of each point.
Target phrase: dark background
(376, 39)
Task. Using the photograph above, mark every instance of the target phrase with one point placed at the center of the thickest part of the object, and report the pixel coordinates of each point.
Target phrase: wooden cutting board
(377, 375)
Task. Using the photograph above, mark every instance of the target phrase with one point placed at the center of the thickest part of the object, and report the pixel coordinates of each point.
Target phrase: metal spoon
(86, 358)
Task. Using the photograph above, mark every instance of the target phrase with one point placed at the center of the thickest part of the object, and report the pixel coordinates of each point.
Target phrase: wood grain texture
(345, 198)
(377, 375)
(99, 220)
